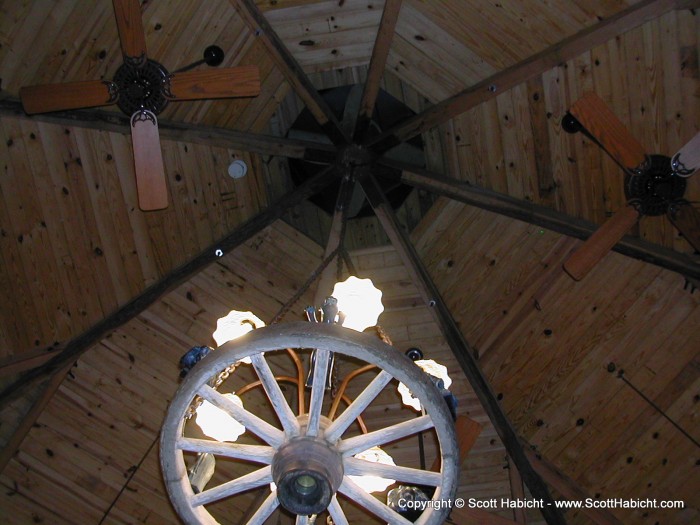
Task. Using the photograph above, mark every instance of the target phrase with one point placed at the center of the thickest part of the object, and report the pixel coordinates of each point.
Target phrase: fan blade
(600, 243)
(608, 130)
(148, 161)
(687, 220)
(242, 81)
(687, 160)
(130, 26)
(71, 95)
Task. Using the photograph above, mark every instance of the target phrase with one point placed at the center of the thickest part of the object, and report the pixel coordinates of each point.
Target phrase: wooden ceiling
(599, 378)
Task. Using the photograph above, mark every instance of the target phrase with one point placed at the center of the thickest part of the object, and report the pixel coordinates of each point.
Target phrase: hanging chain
(220, 378)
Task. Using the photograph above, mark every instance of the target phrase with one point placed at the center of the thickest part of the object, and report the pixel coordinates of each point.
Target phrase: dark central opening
(344, 102)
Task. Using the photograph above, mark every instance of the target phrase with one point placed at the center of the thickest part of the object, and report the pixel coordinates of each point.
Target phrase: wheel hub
(142, 87)
(655, 187)
(307, 471)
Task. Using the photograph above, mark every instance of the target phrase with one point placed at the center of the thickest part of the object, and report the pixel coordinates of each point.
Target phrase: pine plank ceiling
(599, 377)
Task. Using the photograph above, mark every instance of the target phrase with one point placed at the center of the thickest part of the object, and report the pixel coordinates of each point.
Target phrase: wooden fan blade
(130, 26)
(687, 220)
(242, 81)
(148, 161)
(71, 95)
(608, 130)
(467, 431)
(687, 160)
(600, 243)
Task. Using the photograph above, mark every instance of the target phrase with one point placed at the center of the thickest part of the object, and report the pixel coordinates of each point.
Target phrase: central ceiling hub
(355, 155)
(388, 112)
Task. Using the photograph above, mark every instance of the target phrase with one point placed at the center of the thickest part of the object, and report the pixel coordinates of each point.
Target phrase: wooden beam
(517, 491)
(568, 488)
(541, 216)
(181, 131)
(533, 66)
(47, 390)
(459, 346)
(291, 70)
(15, 364)
(377, 63)
(75, 347)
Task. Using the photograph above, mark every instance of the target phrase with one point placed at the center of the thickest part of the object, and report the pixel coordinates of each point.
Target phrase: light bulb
(374, 483)
(359, 301)
(217, 423)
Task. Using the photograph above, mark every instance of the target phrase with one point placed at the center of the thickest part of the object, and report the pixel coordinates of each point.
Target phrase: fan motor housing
(142, 87)
(654, 187)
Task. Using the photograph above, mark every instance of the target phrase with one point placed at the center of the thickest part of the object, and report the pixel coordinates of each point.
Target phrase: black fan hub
(654, 188)
(142, 87)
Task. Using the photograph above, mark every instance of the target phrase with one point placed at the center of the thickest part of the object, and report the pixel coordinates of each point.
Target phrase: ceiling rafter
(533, 66)
(459, 346)
(181, 131)
(291, 69)
(377, 63)
(539, 215)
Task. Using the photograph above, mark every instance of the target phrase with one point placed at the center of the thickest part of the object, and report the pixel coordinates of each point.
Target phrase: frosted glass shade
(216, 423)
(431, 367)
(359, 301)
(374, 483)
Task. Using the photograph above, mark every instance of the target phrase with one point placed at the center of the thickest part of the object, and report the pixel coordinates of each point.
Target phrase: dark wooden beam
(541, 216)
(291, 70)
(377, 62)
(459, 346)
(533, 66)
(568, 488)
(181, 131)
(75, 347)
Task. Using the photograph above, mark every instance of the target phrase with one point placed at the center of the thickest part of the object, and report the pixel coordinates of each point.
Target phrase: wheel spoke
(340, 425)
(250, 481)
(336, 512)
(257, 426)
(256, 453)
(353, 445)
(361, 467)
(274, 393)
(317, 389)
(265, 510)
(372, 504)
(302, 520)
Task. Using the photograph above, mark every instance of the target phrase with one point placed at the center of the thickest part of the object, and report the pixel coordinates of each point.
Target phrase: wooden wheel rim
(322, 337)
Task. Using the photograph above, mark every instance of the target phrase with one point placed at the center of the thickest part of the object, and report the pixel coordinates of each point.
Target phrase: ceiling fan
(654, 184)
(142, 88)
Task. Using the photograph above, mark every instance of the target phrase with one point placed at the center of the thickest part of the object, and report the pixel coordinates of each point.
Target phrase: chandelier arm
(362, 401)
(359, 419)
(265, 510)
(414, 476)
(254, 384)
(257, 426)
(255, 453)
(354, 445)
(317, 390)
(274, 393)
(344, 384)
(250, 481)
(301, 398)
(336, 512)
(350, 489)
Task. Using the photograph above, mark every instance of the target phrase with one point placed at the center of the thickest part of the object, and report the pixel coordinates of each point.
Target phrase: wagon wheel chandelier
(306, 458)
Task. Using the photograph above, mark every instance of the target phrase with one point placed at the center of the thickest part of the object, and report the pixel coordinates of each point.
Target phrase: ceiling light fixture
(307, 457)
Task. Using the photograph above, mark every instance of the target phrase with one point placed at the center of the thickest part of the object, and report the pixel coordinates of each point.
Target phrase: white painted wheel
(324, 338)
